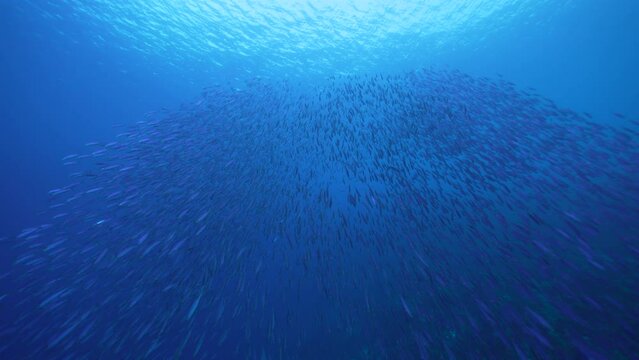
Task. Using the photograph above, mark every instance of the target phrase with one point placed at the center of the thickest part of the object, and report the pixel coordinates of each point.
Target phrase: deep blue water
(331, 179)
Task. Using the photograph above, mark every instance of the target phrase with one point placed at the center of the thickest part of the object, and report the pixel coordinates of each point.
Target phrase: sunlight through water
(290, 37)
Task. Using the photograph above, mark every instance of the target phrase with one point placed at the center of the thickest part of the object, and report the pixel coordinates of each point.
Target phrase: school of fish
(421, 215)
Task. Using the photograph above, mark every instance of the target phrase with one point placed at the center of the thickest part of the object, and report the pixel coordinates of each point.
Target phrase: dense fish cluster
(423, 215)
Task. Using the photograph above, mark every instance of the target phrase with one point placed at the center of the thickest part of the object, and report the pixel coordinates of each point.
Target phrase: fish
(289, 217)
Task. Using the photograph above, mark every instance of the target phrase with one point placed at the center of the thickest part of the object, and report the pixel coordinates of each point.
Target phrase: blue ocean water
(319, 179)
